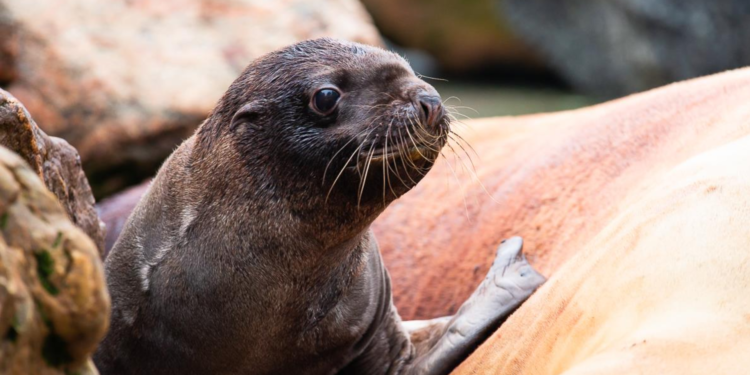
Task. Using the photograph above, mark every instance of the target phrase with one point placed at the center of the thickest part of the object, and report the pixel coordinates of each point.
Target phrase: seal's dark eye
(325, 100)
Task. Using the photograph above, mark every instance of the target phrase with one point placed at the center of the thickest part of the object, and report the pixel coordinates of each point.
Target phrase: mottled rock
(55, 161)
(54, 306)
(612, 48)
(462, 36)
(125, 81)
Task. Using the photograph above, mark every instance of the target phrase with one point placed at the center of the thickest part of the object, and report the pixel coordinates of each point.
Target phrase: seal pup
(251, 253)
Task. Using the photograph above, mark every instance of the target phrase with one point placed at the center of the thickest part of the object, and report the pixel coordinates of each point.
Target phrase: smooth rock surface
(617, 47)
(662, 289)
(557, 180)
(54, 306)
(55, 161)
(125, 81)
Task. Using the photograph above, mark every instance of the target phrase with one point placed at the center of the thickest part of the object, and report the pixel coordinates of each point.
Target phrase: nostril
(431, 109)
(425, 110)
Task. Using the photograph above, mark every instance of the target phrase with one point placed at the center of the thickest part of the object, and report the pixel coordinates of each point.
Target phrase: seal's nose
(431, 108)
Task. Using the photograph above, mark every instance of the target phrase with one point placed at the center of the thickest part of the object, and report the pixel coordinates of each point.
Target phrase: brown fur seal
(251, 252)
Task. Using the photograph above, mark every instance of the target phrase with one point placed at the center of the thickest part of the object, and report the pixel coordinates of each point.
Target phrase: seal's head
(333, 123)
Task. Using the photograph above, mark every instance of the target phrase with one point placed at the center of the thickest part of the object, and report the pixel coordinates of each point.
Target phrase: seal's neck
(275, 196)
(286, 189)
(280, 222)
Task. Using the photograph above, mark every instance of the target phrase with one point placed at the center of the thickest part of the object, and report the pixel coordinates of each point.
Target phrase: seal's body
(251, 251)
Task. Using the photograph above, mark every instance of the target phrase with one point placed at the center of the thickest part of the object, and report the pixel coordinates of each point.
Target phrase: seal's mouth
(409, 144)
(403, 155)
(414, 153)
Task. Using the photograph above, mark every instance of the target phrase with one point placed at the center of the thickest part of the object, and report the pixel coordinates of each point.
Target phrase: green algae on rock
(54, 306)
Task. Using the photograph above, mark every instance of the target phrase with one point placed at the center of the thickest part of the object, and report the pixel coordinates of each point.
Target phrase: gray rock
(616, 47)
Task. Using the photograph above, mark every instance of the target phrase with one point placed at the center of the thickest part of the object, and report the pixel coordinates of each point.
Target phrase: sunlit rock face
(661, 288)
(126, 81)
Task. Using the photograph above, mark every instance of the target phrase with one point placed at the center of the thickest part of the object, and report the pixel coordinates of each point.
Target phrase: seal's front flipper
(423, 334)
(510, 281)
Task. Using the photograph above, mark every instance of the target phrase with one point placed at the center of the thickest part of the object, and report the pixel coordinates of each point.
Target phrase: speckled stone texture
(126, 81)
(55, 161)
(54, 307)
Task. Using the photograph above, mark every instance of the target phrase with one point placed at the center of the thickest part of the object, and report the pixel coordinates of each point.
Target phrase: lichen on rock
(54, 306)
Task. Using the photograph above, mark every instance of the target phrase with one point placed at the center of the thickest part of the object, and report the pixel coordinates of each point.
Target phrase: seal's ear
(246, 116)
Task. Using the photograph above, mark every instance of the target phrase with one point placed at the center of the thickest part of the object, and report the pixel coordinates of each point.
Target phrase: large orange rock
(557, 180)
(126, 81)
(664, 287)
